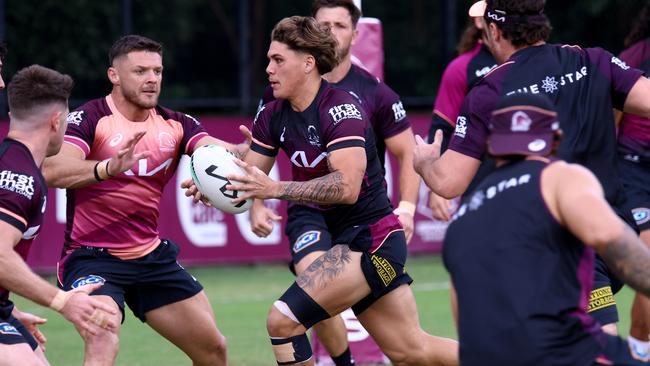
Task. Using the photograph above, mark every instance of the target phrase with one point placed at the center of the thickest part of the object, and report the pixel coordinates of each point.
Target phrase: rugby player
(339, 174)
(520, 250)
(119, 153)
(38, 104)
(584, 85)
(306, 228)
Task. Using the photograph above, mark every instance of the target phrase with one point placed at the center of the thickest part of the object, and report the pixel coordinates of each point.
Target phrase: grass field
(241, 296)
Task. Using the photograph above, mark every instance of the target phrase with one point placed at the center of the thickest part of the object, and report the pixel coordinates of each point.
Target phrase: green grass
(241, 297)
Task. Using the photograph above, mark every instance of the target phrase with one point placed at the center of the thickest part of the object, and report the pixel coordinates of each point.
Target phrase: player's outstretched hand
(424, 154)
(126, 157)
(31, 323)
(191, 190)
(88, 314)
(440, 207)
(255, 183)
(240, 150)
(262, 219)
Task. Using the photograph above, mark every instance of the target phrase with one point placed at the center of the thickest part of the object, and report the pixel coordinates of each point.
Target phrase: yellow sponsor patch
(601, 298)
(385, 271)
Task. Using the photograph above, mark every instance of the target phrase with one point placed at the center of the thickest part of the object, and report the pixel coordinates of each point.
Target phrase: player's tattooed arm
(326, 190)
(628, 258)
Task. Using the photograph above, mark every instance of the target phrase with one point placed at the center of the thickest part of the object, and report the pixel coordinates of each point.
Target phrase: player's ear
(113, 76)
(55, 120)
(355, 34)
(310, 63)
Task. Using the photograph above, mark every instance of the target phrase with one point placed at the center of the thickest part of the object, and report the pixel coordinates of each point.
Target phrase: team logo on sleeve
(6, 328)
(620, 63)
(641, 215)
(75, 117)
(344, 111)
(305, 240)
(87, 280)
(461, 127)
(399, 111)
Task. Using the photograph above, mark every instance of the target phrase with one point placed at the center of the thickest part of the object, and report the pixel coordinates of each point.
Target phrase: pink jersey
(121, 214)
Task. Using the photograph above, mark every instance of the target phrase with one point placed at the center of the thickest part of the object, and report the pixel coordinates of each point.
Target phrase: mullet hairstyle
(133, 43)
(526, 32)
(36, 86)
(304, 34)
(355, 13)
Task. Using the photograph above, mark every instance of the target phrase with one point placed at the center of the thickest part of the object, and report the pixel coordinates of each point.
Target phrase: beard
(342, 53)
(144, 103)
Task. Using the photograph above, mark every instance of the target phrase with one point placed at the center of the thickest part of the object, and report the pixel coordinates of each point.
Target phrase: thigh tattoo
(325, 268)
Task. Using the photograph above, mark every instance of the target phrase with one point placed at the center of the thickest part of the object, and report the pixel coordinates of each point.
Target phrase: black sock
(344, 359)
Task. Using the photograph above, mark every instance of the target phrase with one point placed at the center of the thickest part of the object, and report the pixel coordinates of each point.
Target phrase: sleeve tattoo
(327, 189)
(629, 259)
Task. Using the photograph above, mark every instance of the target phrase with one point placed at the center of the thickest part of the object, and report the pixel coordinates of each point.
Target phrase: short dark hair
(36, 86)
(527, 31)
(304, 34)
(355, 13)
(133, 43)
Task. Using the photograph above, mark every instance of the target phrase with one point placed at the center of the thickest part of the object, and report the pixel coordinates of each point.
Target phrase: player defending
(307, 230)
(584, 85)
(521, 251)
(342, 178)
(120, 151)
(38, 101)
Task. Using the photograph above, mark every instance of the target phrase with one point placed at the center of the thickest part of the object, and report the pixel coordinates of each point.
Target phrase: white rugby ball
(210, 165)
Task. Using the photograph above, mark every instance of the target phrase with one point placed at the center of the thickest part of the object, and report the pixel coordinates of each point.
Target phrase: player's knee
(213, 353)
(103, 341)
(294, 309)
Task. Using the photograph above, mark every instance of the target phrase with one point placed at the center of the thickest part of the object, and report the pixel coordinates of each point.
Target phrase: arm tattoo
(325, 268)
(629, 259)
(327, 189)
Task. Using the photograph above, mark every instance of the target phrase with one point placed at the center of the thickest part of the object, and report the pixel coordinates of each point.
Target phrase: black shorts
(602, 305)
(14, 332)
(145, 283)
(383, 246)
(635, 178)
(307, 233)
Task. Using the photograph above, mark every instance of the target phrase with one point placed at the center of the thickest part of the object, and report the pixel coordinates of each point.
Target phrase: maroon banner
(368, 50)
(207, 235)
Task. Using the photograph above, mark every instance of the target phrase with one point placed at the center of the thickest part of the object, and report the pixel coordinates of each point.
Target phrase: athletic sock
(344, 359)
(639, 348)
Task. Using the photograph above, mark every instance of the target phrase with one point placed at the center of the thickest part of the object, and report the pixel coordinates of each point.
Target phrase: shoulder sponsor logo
(398, 111)
(641, 215)
(520, 122)
(166, 142)
(6, 328)
(551, 84)
(18, 183)
(620, 63)
(87, 280)
(304, 162)
(344, 111)
(75, 117)
(305, 240)
(461, 127)
(193, 119)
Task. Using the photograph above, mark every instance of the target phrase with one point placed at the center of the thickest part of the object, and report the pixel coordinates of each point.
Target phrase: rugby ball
(210, 165)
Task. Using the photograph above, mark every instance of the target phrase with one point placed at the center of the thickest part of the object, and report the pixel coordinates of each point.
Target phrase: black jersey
(522, 279)
(23, 195)
(583, 84)
(333, 121)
